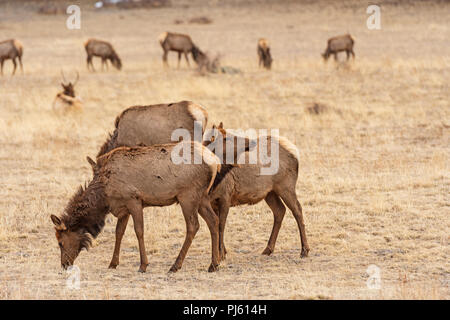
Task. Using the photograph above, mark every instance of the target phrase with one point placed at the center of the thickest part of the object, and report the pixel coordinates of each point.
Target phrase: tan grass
(374, 167)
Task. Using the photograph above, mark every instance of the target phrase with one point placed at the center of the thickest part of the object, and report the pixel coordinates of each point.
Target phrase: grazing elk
(104, 50)
(125, 181)
(11, 49)
(244, 184)
(154, 124)
(180, 43)
(66, 100)
(265, 58)
(338, 44)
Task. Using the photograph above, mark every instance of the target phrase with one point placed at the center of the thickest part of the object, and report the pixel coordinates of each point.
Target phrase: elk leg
(353, 54)
(20, 61)
(103, 63)
(211, 219)
(290, 199)
(120, 230)
(224, 208)
(187, 59)
(135, 209)
(278, 209)
(179, 59)
(189, 207)
(1, 62)
(348, 54)
(165, 58)
(15, 66)
(335, 56)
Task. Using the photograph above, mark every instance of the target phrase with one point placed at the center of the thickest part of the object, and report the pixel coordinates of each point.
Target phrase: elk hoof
(112, 265)
(267, 251)
(173, 269)
(213, 267)
(142, 268)
(304, 253)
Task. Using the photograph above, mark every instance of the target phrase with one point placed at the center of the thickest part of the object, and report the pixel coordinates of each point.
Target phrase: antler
(64, 78)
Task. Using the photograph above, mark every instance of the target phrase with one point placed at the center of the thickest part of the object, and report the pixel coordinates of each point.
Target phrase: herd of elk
(135, 169)
(11, 49)
(66, 100)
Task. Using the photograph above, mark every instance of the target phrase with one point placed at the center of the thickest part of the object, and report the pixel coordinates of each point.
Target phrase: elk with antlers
(66, 100)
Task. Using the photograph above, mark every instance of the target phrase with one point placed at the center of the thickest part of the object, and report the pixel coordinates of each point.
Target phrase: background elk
(104, 50)
(66, 100)
(338, 44)
(154, 124)
(244, 184)
(125, 181)
(180, 43)
(11, 49)
(263, 49)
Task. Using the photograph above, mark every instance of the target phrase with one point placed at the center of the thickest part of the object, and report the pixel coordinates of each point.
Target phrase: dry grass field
(374, 176)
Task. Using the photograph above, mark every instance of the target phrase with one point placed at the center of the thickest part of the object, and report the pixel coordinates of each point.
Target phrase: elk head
(69, 88)
(220, 141)
(70, 242)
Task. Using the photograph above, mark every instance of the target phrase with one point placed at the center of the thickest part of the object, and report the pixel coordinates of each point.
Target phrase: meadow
(374, 177)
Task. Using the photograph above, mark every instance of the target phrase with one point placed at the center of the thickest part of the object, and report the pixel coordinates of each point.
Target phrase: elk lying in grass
(125, 181)
(66, 100)
(181, 43)
(104, 50)
(338, 44)
(265, 58)
(11, 49)
(244, 184)
(154, 124)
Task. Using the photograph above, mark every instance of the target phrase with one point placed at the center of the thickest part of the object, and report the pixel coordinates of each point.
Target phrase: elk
(338, 44)
(265, 58)
(104, 50)
(244, 184)
(125, 181)
(66, 100)
(181, 43)
(11, 49)
(154, 124)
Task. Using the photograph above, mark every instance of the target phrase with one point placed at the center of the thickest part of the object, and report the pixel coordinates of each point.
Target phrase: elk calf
(11, 49)
(125, 181)
(66, 100)
(244, 184)
(265, 58)
(104, 50)
(181, 43)
(338, 44)
(155, 124)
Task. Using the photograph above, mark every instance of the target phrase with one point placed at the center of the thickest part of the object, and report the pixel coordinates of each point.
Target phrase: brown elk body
(104, 50)
(66, 100)
(339, 44)
(180, 43)
(154, 124)
(11, 49)
(125, 181)
(265, 58)
(244, 184)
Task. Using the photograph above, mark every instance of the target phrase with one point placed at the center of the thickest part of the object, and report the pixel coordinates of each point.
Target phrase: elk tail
(19, 47)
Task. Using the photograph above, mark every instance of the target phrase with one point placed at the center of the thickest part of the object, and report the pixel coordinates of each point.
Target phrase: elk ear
(59, 225)
(214, 126)
(92, 163)
(221, 125)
